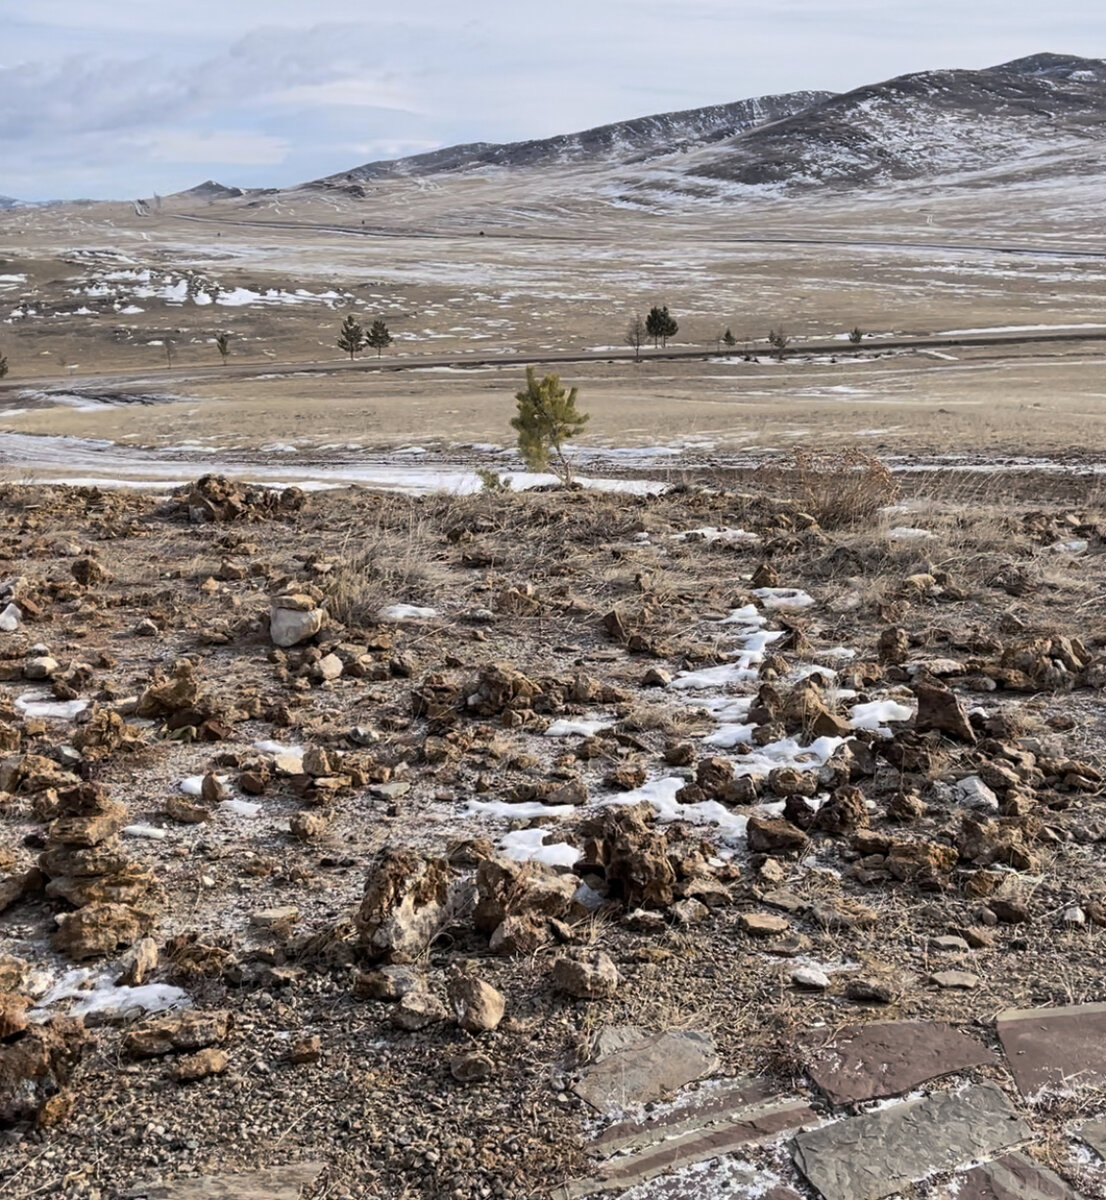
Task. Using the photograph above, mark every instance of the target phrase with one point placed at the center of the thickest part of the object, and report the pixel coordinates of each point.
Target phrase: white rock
(972, 792)
(811, 979)
(287, 627)
(11, 618)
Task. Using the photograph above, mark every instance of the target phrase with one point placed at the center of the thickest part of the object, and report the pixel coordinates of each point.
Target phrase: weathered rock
(810, 979)
(763, 925)
(388, 983)
(1061, 1048)
(506, 888)
(273, 1183)
(200, 1065)
(471, 1067)
(894, 646)
(13, 1014)
(182, 1032)
(647, 1070)
(986, 842)
(417, 1010)
(633, 856)
(408, 900)
(963, 981)
(99, 930)
(308, 825)
(291, 622)
(36, 1064)
(767, 835)
(844, 811)
(940, 709)
(477, 1006)
(586, 974)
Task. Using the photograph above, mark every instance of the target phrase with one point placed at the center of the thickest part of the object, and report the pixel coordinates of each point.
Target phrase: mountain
(626, 141)
(1036, 117)
(8, 202)
(210, 190)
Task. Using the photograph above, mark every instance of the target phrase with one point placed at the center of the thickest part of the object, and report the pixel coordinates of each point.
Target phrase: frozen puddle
(41, 704)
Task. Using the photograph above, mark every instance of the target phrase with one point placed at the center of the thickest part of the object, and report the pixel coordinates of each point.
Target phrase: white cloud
(349, 93)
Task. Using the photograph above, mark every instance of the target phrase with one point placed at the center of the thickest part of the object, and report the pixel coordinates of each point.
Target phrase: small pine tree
(728, 339)
(636, 334)
(547, 418)
(379, 338)
(856, 336)
(351, 337)
(222, 344)
(3, 365)
(661, 325)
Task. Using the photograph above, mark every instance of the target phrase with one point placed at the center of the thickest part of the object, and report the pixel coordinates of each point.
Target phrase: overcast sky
(120, 98)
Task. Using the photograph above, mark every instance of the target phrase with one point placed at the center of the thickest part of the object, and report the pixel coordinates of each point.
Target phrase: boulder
(586, 974)
(408, 900)
(35, 1065)
(291, 623)
(940, 709)
(98, 930)
(477, 1006)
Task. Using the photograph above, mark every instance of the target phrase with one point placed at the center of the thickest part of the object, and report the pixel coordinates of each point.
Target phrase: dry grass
(839, 488)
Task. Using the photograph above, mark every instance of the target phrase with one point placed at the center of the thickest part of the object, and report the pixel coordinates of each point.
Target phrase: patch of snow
(406, 612)
(527, 845)
(876, 715)
(37, 704)
(98, 995)
(240, 808)
(577, 727)
(784, 599)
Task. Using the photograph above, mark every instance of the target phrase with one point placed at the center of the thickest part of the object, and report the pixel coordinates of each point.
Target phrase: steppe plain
(780, 751)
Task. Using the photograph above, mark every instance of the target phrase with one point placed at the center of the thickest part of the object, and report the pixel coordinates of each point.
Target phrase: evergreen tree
(856, 335)
(222, 344)
(3, 365)
(660, 325)
(379, 337)
(547, 418)
(728, 339)
(169, 348)
(351, 337)
(636, 335)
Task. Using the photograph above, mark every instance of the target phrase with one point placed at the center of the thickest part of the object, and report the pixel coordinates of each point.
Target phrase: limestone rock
(586, 974)
(477, 1006)
(292, 622)
(99, 930)
(408, 900)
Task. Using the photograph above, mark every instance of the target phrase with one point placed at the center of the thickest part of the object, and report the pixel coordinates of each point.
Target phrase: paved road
(160, 380)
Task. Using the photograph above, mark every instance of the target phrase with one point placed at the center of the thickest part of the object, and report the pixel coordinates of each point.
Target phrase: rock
(99, 930)
(35, 1065)
(306, 1050)
(274, 1183)
(762, 925)
(408, 899)
(388, 983)
(844, 811)
(642, 921)
(843, 914)
(11, 618)
(941, 710)
(200, 1065)
(291, 622)
(41, 667)
(417, 1010)
(146, 629)
(956, 980)
(1056, 1048)
(894, 646)
(689, 912)
(810, 979)
(1010, 912)
(586, 974)
(186, 813)
(775, 836)
(327, 669)
(308, 825)
(471, 1067)
(972, 792)
(520, 934)
(633, 856)
(88, 572)
(13, 1014)
(949, 944)
(269, 918)
(477, 1006)
(188, 1031)
(506, 888)
(141, 962)
(647, 1070)
(1073, 918)
(984, 843)
(868, 991)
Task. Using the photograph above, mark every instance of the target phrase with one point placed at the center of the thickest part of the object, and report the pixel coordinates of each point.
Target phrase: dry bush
(837, 487)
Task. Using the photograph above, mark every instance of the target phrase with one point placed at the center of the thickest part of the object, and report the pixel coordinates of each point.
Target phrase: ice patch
(577, 727)
(240, 808)
(104, 998)
(713, 677)
(150, 832)
(904, 533)
(406, 612)
(37, 704)
(521, 812)
(712, 534)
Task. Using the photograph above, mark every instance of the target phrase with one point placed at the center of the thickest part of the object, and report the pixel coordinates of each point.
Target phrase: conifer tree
(351, 337)
(661, 325)
(379, 338)
(547, 418)
(3, 365)
(728, 339)
(222, 344)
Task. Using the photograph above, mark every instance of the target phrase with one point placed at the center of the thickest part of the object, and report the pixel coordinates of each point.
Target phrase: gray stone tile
(1063, 1048)
(1012, 1177)
(874, 1155)
(648, 1071)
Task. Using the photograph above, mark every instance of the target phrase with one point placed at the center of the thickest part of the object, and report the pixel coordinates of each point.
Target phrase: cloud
(245, 149)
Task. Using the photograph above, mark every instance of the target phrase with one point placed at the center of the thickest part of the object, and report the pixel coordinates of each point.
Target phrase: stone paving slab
(757, 1124)
(1094, 1134)
(711, 1107)
(877, 1154)
(1012, 1177)
(646, 1072)
(886, 1058)
(275, 1183)
(1062, 1048)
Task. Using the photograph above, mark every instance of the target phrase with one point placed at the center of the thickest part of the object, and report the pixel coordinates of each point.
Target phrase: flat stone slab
(875, 1155)
(886, 1058)
(734, 1181)
(1061, 1048)
(274, 1183)
(1094, 1134)
(648, 1071)
(1012, 1177)
(754, 1125)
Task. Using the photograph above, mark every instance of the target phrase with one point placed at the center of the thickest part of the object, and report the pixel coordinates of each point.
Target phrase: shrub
(837, 487)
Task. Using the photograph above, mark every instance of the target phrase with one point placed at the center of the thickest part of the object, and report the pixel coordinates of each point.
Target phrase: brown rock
(774, 836)
(408, 899)
(477, 1006)
(940, 709)
(417, 1010)
(471, 1067)
(763, 925)
(200, 1065)
(306, 1050)
(36, 1065)
(505, 888)
(845, 810)
(187, 1031)
(586, 974)
(13, 1014)
(99, 930)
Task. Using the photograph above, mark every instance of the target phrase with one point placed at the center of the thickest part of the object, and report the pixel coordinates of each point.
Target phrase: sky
(112, 99)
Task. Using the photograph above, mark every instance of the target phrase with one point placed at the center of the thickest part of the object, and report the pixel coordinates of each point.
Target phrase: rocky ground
(392, 846)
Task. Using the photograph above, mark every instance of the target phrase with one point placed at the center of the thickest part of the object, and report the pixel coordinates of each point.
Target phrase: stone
(843, 913)
(940, 709)
(1094, 1134)
(633, 855)
(388, 983)
(643, 921)
(949, 944)
(477, 1006)
(308, 826)
(880, 1153)
(869, 991)
(290, 626)
(647, 1071)
(98, 930)
(1060, 1048)
(471, 1067)
(1012, 1177)
(963, 981)
(689, 912)
(972, 792)
(306, 1050)
(328, 668)
(509, 889)
(763, 925)
(766, 835)
(13, 1014)
(35, 1066)
(200, 1065)
(42, 666)
(417, 1010)
(408, 900)
(273, 1183)
(886, 1058)
(188, 1031)
(586, 974)
(11, 618)
(810, 979)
